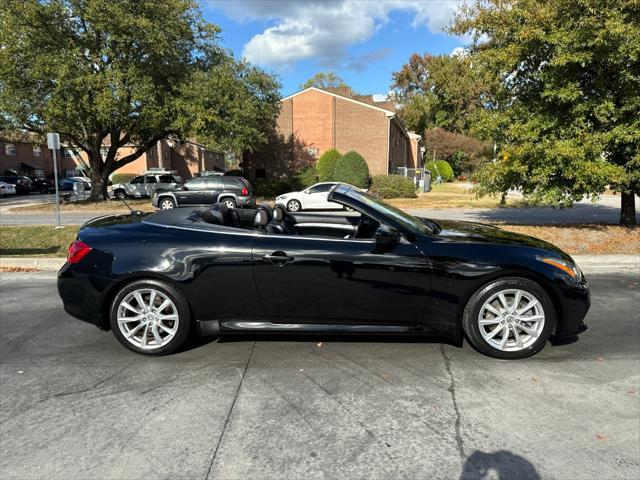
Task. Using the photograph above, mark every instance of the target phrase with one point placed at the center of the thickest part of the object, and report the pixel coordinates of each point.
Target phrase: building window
(261, 173)
(68, 153)
(10, 149)
(39, 173)
(37, 151)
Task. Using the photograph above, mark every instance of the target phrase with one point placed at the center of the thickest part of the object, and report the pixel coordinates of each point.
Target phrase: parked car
(42, 185)
(7, 189)
(232, 191)
(66, 184)
(22, 185)
(144, 186)
(153, 278)
(311, 198)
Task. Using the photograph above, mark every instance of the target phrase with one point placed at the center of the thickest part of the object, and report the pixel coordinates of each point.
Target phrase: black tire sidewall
(121, 194)
(184, 313)
(472, 310)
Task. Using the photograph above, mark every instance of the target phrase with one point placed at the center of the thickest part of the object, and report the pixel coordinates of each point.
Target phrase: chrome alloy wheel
(511, 320)
(147, 318)
(166, 204)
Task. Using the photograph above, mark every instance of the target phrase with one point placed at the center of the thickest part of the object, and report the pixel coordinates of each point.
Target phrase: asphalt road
(74, 404)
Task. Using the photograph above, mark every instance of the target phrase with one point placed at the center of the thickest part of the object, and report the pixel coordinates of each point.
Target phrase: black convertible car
(374, 269)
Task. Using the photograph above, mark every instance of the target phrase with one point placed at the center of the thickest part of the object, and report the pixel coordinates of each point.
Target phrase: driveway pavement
(77, 405)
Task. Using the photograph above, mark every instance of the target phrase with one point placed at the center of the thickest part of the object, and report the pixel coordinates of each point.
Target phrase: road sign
(53, 141)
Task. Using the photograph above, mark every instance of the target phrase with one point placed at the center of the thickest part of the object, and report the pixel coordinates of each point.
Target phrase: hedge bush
(440, 168)
(122, 177)
(270, 188)
(327, 165)
(306, 177)
(352, 168)
(392, 186)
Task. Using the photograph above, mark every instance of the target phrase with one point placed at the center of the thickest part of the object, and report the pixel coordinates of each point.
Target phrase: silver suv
(144, 186)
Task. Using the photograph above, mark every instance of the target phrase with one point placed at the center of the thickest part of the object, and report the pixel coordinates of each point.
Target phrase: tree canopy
(126, 73)
(324, 80)
(567, 123)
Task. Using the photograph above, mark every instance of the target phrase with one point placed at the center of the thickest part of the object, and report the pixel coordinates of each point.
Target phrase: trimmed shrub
(440, 168)
(392, 186)
(270, 188)
(122, 177)
(306, 177)
(352, 168)
(327, 165)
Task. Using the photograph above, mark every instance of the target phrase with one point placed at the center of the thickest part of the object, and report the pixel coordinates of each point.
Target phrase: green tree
(324, 80)
(327, 164)
(353, 169)
(123, 73)
(568, 123)
(447, 91)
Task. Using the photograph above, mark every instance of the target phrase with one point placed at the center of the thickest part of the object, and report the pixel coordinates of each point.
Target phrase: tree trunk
(628, 209)
(99, 179)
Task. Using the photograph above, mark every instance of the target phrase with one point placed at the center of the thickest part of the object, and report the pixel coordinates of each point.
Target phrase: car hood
(480, 233)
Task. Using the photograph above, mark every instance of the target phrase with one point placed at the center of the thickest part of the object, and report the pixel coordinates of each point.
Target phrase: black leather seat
(230, 217)
(261, 219)
(279, 224)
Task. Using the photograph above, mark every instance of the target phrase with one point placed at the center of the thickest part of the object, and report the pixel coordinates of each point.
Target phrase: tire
(120, 194)
(229, 202)
(294, 206)
(523, 337)
(166, 203)
(172, 323)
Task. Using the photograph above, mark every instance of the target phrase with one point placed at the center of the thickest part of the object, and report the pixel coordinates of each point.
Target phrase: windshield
(406, 221)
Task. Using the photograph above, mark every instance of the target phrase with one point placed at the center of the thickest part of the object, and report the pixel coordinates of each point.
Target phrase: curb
(587, 263)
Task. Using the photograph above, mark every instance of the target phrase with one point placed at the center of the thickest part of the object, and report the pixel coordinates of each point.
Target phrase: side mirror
(386, 238)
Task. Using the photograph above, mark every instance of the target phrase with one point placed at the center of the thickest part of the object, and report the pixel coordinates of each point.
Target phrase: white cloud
(324, 29)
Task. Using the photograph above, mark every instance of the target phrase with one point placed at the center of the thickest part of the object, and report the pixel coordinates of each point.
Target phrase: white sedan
(7, 189)
(314, 197)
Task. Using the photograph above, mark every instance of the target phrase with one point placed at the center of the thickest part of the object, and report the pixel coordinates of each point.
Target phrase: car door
(135, 188)
(214, 188)
(340, 281)
(315, 197)
(192, 192)
(150, 185)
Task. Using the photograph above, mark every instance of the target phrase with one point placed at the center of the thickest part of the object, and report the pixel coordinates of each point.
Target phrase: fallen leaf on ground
(602, 438)
(535, 379)
(319, 344)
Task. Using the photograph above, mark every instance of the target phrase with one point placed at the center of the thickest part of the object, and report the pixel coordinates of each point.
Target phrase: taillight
(77, 251)
(245, 191)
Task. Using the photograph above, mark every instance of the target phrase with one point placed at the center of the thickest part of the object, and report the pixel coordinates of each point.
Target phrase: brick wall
(312, 120)
(364, 130)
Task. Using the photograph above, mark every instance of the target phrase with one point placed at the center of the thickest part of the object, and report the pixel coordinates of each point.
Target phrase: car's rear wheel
(120, 194)
(294, 206)
(150, 317)
(510, 318)
(229, 202)
(167, 203)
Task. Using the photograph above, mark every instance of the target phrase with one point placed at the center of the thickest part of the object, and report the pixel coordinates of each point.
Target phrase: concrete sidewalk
(588, 263)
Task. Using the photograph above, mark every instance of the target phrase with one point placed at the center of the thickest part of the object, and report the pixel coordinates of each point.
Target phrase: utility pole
(53, 142)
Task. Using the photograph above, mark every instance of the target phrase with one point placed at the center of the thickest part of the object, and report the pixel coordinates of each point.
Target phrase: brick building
(25, 154)
(321, 119)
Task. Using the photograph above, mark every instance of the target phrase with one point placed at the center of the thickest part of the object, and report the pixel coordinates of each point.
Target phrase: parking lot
(75, 404)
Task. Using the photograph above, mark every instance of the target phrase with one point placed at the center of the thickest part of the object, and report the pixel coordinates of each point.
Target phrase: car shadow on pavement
(501, 465)
(328, 337)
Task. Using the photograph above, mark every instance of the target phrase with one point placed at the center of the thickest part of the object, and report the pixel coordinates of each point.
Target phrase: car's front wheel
(510, 318)
(150, 317)
(294, 206)
(167, 203)
(120, 194)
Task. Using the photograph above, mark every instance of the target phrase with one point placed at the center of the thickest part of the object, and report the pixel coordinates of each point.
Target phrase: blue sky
(363, 41)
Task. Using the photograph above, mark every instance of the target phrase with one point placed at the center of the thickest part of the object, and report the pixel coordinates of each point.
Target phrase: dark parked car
(232, 191)
(42, 185)
(66, 184)
(154, 278)
(23, 184)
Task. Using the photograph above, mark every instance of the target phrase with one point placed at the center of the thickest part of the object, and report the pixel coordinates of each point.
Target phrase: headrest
(261, 218)
(211, 216)
(278, 213)
(222, 208)
(267, 209)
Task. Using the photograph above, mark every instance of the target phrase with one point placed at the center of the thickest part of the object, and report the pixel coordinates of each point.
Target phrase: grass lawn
(40, 241)
(86, 206)
(452, 195)
(46, 241)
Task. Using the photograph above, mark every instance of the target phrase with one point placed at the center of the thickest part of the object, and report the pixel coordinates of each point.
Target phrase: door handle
(277, 257)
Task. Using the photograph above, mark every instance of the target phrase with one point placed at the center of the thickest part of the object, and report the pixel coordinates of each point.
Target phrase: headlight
(569, 268)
